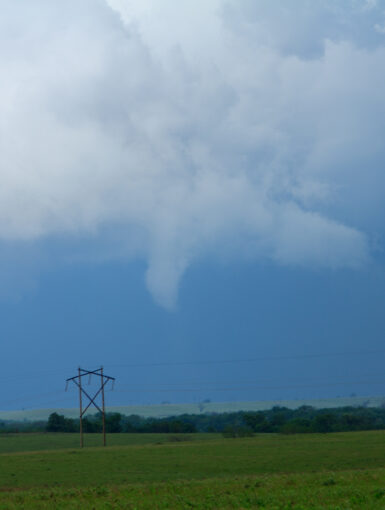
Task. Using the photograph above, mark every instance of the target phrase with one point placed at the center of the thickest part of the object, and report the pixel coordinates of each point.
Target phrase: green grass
(13, 443)
(341, 491)
(338, 471)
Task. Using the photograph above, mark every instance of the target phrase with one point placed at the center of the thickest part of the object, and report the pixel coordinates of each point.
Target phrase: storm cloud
(195, 129)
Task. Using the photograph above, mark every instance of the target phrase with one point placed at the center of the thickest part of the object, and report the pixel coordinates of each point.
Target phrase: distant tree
(59, 423)
(55, 423)
(92, 424)
(257, 422)
(113, 422)
(277, 420)
(324, 422)
(305, 410)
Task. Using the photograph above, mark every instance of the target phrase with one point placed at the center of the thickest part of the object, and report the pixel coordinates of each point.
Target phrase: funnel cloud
(223, 128)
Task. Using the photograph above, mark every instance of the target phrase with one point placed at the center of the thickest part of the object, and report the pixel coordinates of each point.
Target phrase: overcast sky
(193, 180)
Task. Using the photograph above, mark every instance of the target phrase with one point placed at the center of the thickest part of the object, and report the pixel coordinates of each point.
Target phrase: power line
(306, 381)
(240, 386)
(250, 360)
(213, 386)
(32, 375)
(288, 357)
(30, 397)
(251, 386)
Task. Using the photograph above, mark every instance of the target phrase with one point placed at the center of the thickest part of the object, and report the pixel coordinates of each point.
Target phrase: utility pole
(104, 379)
(103, 408)
(80, 408)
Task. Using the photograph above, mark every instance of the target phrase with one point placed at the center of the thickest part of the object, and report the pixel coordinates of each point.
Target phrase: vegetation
(305, 419)
(279, 459)
(33, 442)
(355, 490)
(174, 409)
(319, 471)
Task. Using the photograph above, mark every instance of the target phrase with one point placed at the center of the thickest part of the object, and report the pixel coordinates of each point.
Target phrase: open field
(346, 490)
(339, 471)
(18, 443)
(166, 410)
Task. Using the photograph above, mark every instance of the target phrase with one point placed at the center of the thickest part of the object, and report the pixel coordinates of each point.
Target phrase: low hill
(165, 410)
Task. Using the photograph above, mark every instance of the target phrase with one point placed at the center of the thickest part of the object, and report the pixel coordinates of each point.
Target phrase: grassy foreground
(336, 471)
(337, 491)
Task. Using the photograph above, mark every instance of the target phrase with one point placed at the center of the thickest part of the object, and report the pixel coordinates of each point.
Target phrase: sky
(192, 195)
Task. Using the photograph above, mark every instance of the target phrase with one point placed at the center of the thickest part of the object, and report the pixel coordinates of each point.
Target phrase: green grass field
(13, 443)
(333, 471)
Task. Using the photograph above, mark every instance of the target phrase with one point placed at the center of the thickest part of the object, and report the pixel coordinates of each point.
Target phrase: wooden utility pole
(80, 408)
(104, 379)
(103, 408)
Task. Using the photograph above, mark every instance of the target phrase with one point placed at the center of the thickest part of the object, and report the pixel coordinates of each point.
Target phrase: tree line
(305, 419)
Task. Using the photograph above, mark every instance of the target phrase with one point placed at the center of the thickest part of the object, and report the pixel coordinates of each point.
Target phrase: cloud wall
(240, 127)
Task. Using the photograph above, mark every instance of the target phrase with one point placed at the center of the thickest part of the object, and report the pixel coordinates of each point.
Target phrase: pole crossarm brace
(84, 373)
(105, 379)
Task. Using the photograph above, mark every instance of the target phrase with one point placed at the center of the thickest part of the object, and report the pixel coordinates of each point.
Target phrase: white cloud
(194, 127)
(380, 28)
